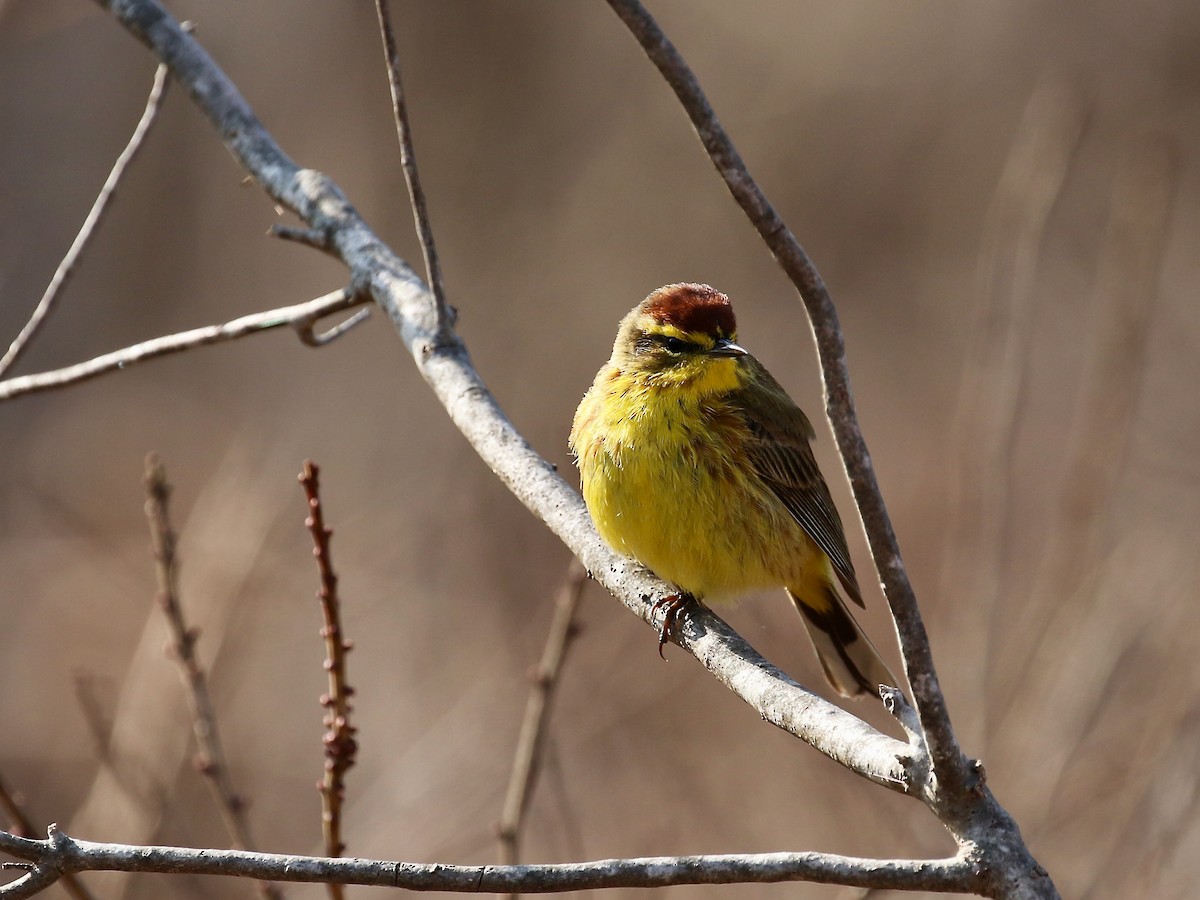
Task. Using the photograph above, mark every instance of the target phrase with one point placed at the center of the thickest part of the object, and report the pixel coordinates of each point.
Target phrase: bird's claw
(672, 606)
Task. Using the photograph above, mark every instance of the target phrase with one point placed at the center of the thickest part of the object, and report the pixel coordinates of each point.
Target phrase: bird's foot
(672, 606)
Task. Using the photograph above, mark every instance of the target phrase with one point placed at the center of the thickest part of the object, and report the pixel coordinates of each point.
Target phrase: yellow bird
(697, 463)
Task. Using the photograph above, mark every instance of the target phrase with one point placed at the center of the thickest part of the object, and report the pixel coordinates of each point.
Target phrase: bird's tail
(851, 662)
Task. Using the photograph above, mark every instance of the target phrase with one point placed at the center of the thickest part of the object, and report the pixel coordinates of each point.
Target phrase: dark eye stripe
(646, 343)
(677, 345)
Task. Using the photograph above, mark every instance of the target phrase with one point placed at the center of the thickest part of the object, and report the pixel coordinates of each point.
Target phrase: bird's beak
(727, 348)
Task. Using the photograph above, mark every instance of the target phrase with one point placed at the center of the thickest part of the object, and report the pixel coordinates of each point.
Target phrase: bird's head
(681, 335)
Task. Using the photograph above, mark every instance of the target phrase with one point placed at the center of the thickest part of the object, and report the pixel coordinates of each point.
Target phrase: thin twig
(62, 853)
(408, 161)
(530, 742)
(948, 761)
(67, 266)
(340, 745)
(301, 316)
(210, 759)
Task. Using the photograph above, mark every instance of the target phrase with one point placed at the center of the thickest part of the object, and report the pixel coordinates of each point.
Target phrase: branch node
(308, 337)
(978, 776)
(304, 324)
(57, 837)
(309, 237)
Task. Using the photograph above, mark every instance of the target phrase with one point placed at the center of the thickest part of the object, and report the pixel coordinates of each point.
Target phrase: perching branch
(301, 316)
(210, 759)
(67, 267)
(447, 368)
(61, 854)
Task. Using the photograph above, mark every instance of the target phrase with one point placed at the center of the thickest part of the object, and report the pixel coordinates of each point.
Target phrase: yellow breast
(666, 482)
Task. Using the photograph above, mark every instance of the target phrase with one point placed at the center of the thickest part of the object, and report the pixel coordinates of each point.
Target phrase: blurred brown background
(1003, 200)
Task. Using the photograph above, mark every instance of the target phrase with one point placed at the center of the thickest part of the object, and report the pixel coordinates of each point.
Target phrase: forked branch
(67, 267)
(301, 316)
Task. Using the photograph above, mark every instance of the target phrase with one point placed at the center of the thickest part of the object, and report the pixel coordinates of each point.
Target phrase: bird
(696, 462)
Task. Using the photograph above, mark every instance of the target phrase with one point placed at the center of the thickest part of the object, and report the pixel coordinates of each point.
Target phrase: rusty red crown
(695, 308)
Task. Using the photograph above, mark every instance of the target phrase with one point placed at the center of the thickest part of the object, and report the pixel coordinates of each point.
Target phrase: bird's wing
(781, 454)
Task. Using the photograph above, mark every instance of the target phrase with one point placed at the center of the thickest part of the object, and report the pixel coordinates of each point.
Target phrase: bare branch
(301, 316)
(67, 266)
(531, 740)
(955, 875)
(408, 161)
(447, 368)
(211, 757)
(340, 746)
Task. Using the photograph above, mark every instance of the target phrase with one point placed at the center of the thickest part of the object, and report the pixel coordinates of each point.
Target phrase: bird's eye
(675, 345)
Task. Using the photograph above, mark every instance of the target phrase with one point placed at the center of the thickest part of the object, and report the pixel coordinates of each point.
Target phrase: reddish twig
(340, 745)
(408, 162)
(531, 740)
(210, 759)
(67, 266)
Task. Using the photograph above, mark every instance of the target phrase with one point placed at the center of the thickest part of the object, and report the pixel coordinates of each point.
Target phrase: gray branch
(67, 267)
(301, 316)
(60, 854)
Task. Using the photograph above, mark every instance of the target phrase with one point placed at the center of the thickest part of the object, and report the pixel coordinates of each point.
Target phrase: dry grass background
(1003, 200)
